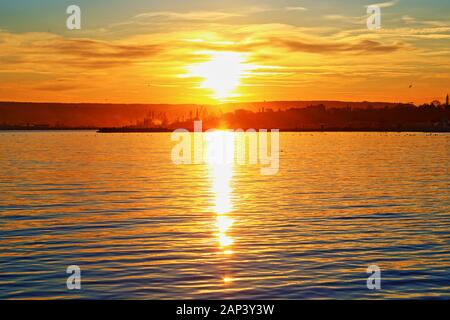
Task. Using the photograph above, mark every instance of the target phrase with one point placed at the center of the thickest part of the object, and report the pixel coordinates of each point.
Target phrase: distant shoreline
(165, 130)
(295, 116)
(138, 130)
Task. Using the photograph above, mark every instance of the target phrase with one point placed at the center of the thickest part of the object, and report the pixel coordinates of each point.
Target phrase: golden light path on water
(220, 160)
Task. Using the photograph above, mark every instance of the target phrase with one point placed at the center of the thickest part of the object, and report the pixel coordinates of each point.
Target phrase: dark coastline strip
(162, 130)
(150, 130)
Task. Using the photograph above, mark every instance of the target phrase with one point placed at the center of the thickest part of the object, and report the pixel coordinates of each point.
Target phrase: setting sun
(222, 73)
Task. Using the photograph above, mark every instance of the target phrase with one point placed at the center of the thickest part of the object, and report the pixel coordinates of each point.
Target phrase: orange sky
(285, 50)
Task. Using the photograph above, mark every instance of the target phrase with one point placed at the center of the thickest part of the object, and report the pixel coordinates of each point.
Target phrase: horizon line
(209, 104)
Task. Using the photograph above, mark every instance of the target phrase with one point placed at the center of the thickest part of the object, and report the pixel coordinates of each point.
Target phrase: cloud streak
(192, 16)
(386, 4)
(298, 8)
(361, 47)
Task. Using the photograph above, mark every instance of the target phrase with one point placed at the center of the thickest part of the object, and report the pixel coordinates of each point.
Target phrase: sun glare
(222, 73)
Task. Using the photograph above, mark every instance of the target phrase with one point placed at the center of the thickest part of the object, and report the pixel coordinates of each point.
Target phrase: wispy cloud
(345, 19)
(436, 23)
(364, 46)
(29, 50)
(55, 86)
(298, 8)
(386, 4)
(194, 15)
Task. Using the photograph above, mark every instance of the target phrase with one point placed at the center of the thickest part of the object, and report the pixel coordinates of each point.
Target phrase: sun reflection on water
(220, 159)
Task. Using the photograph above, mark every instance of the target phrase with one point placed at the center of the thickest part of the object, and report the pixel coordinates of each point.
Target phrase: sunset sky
(181, 51)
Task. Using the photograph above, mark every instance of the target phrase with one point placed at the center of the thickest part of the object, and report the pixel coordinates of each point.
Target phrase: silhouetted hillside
(113, 115)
